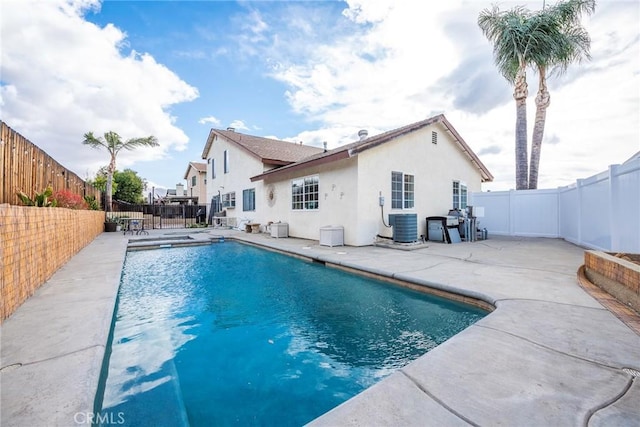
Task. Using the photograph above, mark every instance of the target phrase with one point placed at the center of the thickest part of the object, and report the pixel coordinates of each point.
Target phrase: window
(194, 180)
(408, 191)
(229, 200)
(402, 191)
(304, 193)
(213, 168)
(459, 195)
(226, 161)
(249, 199)
(396, 190)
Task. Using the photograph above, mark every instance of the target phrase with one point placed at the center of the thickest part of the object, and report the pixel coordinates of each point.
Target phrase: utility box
(437, 229)
(280, 229)
(332, 235)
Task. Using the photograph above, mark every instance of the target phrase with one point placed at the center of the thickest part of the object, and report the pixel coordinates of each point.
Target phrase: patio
(549, 354)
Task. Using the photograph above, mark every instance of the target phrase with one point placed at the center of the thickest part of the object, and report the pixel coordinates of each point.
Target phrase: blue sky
(308, 71)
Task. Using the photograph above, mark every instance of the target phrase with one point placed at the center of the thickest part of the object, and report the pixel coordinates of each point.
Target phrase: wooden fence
(27, 168)
(34, 243)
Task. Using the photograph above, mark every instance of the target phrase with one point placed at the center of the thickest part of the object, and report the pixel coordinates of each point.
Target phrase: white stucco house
(425, 168)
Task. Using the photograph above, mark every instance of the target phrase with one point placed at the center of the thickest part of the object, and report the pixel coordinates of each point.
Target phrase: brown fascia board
(276, 162)
(355, 148)
(207, 146)
(486, 175)
(195, 167)
(374, 141)
(186, 174)
(212, 136)
(384, 137)
(292, 167)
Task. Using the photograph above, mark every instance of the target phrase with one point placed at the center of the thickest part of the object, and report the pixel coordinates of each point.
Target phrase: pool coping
(53, 346)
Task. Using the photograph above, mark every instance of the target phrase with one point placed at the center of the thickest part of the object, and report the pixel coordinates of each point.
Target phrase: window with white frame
(249, 199)
(229, 200)
(304, 193)
(459, 195)
(226, 161)
(402, 190)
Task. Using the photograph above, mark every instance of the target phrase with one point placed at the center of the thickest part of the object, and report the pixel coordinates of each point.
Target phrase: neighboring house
(424, 168)
(179, 196)
(196, 177)
(233, 158)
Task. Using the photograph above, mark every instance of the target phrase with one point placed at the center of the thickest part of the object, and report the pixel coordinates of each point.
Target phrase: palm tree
(550, 39)
(114, 144)
(565, 42)
(512, 39)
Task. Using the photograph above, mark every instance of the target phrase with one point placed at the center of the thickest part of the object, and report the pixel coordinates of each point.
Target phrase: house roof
(198, 166)
(269, 151)
(353, 149)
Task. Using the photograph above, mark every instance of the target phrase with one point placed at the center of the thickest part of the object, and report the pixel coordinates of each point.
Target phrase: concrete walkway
(548, 355)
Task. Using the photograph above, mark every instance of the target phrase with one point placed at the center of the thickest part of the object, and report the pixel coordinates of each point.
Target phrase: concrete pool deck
(549, 354)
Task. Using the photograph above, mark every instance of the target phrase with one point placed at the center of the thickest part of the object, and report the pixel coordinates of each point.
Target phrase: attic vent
(231, 129)
(434, 137)
(362, 134)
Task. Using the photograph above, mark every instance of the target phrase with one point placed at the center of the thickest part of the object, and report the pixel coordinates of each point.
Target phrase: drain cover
(632, 372)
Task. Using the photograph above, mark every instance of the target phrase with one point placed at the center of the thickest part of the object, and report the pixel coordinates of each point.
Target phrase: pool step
(171, 242)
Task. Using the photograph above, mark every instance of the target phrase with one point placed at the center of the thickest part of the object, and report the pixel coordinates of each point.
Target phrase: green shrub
(43, 199)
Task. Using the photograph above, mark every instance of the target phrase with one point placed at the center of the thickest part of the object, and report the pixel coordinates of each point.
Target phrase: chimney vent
(363, 134)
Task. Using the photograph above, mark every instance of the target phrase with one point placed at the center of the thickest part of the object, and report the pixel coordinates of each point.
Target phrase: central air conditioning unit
(405, 227)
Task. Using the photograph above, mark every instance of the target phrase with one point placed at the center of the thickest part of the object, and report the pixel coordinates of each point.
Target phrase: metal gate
(162, 216)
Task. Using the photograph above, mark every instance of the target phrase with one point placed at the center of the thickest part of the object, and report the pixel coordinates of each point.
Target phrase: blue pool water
(229, 334)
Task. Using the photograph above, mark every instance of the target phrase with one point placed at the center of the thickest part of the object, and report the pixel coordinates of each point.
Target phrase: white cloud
(210, 119)
(413, 60)
(239, 125)
(364, 11)
(82, 80)
(379, 65)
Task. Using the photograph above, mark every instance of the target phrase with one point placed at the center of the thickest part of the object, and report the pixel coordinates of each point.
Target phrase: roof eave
(207, 146)
(484, 172)
(342, 154)
(276, 162)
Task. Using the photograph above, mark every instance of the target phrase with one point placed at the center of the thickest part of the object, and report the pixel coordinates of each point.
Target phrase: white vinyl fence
(601, 212)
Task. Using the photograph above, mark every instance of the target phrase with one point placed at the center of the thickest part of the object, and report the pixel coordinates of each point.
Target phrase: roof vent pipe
(231, 129)
(363, 134)
(325, 146)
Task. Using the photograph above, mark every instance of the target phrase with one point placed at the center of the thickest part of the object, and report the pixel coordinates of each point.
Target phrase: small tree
(100, 180)
(129, 186)
(114, 144)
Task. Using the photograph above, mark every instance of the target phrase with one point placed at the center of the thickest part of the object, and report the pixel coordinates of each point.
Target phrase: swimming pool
(229, 334)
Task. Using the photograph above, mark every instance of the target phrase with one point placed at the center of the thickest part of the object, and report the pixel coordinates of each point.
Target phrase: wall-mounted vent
(434, 137)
